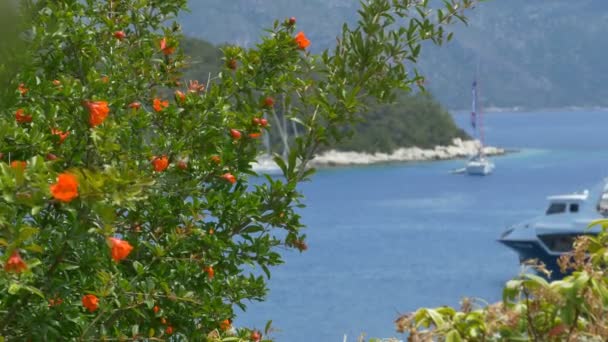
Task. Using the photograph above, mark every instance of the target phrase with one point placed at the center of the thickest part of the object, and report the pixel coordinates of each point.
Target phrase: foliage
(413, 120)
(532, 309)
(126, 215)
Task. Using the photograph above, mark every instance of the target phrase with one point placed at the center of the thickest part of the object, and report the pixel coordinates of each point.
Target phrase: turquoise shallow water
(388, 239)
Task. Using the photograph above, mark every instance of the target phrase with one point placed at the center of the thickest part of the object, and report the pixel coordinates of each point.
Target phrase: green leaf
(437, 318)
(68, 267)
(267, 327)
(27, 232)
(453, 336)
(599, 222)
(280, 163)
(14, 288)
(135, 330)
(34, 248)
(139, 268)
(34, 290)
(36, 210)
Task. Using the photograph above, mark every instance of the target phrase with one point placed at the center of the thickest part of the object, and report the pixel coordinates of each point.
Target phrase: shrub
(127, 214)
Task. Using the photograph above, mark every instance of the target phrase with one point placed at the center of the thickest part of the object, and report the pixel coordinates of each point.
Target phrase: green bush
(126, 215)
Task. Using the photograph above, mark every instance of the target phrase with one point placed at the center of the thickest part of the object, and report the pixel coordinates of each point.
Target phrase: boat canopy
(576, 197)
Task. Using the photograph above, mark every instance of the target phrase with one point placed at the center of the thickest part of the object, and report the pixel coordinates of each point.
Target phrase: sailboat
(478, 164)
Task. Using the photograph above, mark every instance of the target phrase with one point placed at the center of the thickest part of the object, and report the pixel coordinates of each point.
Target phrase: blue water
(385, 240)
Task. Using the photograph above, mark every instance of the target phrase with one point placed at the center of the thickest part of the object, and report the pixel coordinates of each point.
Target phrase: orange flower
(66, 188)
(160, 163)
(156, 309)
(232, 64)
(15, 263)
(120, 249)
(557, 330)
(62, 135)
(225, 325)
(55, 302)
(182, 164)
(22, 89)
(255, 336)
(229, 178)
(302, 41)
(159, 105)
(18, 164)
(120, 35)
(135, 105)
(180, 96)
(169, 330)
(22, 118)
(268, 102)
(91, 302)
(167, 50)
(105, 79)
(235, 134)
(300, 245)
(255, 135)
(216, 159)
(98, 112)
(195, 87)
(56, 83)
(210, 272)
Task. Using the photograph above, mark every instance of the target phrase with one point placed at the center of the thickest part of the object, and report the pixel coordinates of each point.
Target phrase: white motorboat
(567, 217)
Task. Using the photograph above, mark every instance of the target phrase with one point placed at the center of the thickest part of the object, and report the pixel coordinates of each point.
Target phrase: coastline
(458, 150)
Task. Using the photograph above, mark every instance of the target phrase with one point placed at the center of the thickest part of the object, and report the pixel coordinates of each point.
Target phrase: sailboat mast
(474, 108)
(479, 103)
(480, 117)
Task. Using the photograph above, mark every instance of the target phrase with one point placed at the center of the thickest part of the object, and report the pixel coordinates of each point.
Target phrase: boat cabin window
(574, 207)
(556, 208)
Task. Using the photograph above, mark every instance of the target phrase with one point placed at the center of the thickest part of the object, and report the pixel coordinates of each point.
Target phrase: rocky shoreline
(459, 149)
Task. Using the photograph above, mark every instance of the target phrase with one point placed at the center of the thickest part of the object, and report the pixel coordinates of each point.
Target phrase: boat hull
(528, 250)
(479, 168)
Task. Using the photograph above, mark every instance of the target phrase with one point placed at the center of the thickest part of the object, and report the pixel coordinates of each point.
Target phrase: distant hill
(532, 54)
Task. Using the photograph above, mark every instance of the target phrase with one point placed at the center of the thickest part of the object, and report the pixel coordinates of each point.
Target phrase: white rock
(459, 149)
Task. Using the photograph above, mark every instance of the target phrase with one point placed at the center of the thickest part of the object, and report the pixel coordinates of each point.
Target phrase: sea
(385, 240)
